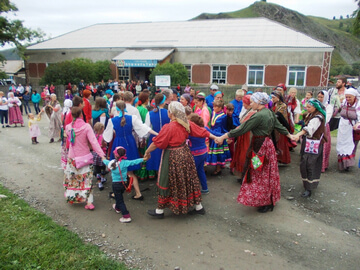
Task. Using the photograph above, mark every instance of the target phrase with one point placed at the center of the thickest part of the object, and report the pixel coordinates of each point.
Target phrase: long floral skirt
(263, 188)
(178, 182)
(78, 183)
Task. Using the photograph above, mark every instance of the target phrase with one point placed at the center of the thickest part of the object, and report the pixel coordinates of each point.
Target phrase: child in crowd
(33, 127)
(308, 95)
(119, 167)
(99, 167)
(198, 149)
(230, 125)
(218, 154)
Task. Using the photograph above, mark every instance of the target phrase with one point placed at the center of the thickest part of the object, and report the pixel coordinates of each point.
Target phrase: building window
(188, 68)
(296, 76)
(123, 74)
(219, 74)
(256, 75)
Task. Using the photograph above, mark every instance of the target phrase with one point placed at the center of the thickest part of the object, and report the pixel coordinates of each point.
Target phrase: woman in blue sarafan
(123, 125)
(218, 155)
(156, 119)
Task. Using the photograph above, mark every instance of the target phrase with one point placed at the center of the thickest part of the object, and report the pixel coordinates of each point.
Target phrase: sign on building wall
(163, 80)
(136, 63)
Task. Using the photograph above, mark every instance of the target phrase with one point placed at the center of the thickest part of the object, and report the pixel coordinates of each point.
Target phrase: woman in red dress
(178, 182)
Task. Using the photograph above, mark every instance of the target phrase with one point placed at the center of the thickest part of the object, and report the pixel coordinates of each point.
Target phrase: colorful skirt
(15, 116)
(241, 147)
(261, 187)
(218, 154)
(78, 183)
(178, 182)
(64, 154)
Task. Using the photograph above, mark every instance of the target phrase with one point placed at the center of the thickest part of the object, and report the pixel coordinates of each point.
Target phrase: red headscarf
(246, 99)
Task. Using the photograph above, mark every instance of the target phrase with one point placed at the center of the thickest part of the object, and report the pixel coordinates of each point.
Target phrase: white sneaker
(101, 186)
(114, 207)
(125, 220)
(103, 180)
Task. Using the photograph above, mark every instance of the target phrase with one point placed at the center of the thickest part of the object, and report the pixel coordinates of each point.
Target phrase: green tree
(177, 72)
(12, 32)
(75, 70)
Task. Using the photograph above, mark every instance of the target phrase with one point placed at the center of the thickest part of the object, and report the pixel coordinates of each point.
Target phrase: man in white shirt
(20, 88)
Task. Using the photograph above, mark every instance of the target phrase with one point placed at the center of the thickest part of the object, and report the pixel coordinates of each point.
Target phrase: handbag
(312, 146)
(83, 160)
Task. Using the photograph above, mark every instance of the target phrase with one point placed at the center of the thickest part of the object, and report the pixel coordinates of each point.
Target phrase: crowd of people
(176, 136)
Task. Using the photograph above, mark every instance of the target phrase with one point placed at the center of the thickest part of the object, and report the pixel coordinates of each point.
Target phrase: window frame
(189, 70)
(218, 81)
(263, 75)
(122, 77)
(296, 75)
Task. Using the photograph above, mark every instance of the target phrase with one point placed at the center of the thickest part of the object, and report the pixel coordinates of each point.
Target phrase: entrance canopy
(141, 58)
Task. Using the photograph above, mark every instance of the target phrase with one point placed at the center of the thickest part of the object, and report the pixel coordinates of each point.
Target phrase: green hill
(333, 32)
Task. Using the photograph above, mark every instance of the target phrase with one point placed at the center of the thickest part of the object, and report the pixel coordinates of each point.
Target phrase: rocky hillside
(347, 47)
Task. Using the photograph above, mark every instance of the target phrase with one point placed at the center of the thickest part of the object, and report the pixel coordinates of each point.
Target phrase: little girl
(118, 167)
(99, 167)
(33, 127)
(218, 154)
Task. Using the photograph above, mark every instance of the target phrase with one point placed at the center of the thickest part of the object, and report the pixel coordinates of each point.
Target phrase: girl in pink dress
(33, 127)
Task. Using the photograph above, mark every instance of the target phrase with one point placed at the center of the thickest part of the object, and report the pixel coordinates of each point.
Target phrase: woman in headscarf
(312, 145)
(349, 122)
(243, 141)
(323, 97)
(282, 143)
(261, 182)
(178, 182)
(53, 112)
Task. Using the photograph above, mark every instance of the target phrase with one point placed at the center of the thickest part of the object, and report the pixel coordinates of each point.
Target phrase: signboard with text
(136, 63)
(162, 80)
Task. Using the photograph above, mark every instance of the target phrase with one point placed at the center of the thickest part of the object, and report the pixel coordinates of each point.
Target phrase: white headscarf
(326, 97)
(352, 91)
(67, 105)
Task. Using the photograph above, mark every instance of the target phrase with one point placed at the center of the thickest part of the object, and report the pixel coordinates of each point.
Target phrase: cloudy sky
(60, 17)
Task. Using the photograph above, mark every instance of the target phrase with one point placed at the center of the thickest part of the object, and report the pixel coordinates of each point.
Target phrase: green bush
(75, 70)
(177, 72)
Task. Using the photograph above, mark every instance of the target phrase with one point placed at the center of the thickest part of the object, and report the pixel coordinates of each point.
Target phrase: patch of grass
(32, 240)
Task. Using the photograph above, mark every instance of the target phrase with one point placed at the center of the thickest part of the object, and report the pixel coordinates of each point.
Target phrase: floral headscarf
(260, 98)
(178, 110)
(317, 105)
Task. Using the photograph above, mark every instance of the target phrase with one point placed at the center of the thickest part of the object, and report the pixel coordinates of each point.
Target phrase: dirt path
(321, 232)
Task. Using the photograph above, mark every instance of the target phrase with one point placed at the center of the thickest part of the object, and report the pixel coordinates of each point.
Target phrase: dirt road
(321, 232)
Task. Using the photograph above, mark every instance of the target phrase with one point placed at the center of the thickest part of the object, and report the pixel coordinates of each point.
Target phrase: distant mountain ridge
(347, 46)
